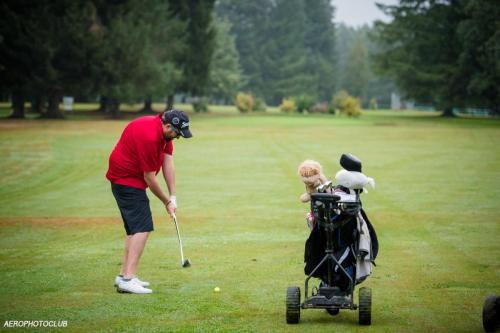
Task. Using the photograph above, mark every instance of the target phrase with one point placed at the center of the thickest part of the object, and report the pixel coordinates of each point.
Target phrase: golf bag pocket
(314, 252)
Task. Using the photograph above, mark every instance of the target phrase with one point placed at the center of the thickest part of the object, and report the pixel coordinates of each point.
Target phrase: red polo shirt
(141, 148)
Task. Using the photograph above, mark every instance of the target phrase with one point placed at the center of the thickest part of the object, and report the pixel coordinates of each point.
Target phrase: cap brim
(186, 133)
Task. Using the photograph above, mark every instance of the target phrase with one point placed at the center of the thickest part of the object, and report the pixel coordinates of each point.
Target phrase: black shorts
(134, 207)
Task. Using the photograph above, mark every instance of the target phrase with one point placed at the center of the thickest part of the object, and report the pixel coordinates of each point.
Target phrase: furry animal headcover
(353, 180)
(312, 175)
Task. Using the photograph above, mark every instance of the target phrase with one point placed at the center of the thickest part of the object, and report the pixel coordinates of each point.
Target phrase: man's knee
(142, 234)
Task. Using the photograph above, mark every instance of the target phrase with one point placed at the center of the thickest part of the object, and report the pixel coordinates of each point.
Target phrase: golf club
(184, 263)
(325, 186)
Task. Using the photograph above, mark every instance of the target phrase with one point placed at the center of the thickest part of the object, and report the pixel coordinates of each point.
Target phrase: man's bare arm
(168, 170)
(155, 187)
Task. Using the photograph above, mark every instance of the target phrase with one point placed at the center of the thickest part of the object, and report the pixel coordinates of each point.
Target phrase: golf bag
(348, 249)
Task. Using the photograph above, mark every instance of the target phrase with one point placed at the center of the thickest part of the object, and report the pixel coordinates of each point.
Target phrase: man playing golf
(144, 148)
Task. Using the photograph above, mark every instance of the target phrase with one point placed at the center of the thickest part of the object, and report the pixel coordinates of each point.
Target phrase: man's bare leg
(134, 245)
(125, 254)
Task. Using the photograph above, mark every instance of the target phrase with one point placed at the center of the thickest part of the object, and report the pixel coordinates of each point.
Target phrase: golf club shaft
(179, 238)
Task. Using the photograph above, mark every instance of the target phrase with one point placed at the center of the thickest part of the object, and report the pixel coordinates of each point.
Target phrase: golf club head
(186, 263)
(325, 186)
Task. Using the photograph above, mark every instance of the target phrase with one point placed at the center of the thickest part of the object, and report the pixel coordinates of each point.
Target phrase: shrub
(201, 104)
(260, 105)
(339, 100)
(288, 105)
(347, 104)
(320, 108)
(245, 102)
(352, 107)
(331, 109)
(373, 104)
(304, 102)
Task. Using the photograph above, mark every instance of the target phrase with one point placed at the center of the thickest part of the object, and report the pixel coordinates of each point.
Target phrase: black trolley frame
(323, 206)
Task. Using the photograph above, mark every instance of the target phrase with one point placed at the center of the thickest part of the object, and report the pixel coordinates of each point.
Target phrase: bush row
(342, 103)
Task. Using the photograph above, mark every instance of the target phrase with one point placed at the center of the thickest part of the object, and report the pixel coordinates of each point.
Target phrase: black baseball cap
(179, 120)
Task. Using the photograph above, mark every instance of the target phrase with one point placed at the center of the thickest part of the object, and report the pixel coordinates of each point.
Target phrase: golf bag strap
(342, 257)
(373, 236)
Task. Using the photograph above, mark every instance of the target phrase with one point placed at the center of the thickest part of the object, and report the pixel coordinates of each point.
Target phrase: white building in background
(68, 103)
(397, 103)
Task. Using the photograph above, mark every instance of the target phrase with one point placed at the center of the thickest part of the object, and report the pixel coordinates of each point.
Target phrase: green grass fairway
(435, 209)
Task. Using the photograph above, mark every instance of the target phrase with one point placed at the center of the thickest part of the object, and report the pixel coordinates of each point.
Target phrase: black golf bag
(345, 245)
(340, 250)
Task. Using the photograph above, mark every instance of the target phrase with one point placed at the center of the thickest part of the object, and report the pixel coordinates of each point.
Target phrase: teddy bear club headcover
(311, 173)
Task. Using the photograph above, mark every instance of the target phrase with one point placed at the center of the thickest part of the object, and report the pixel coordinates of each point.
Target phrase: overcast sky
(358, 12)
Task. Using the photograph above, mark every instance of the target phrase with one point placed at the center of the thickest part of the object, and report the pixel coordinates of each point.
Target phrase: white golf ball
(216, 289)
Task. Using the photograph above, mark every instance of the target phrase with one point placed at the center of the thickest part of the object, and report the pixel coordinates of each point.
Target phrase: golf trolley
(333, 217)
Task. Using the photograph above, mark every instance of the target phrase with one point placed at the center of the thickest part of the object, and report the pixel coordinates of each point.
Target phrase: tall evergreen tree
(133, 61)
(285, 67)
(443, 52)
(16, 53)
(356, 73)
(344, 39)
(249, 24)
(225, 70)
(194, 61)
(479, 59)
(320, 43)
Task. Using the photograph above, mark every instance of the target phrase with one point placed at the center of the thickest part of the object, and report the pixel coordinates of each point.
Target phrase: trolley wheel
(491, 313)
(333, 312)
(365, 306)
(293, 305)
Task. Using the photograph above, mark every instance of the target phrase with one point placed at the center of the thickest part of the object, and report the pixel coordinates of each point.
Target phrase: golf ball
(216, 289)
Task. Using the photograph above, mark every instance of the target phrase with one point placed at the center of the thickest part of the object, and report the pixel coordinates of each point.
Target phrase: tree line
(119, 50)
(293, 48)
(441, 53)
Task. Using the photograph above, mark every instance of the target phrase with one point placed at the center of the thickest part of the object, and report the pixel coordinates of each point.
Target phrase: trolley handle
(324, 197)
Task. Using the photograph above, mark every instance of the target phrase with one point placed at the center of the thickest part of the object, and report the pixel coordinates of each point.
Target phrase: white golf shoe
(132, 287)
(118, 278)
